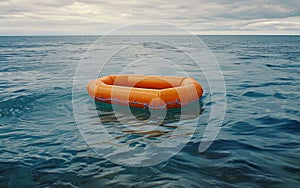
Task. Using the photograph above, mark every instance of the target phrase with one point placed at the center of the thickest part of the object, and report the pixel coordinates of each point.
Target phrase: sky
(96, 17)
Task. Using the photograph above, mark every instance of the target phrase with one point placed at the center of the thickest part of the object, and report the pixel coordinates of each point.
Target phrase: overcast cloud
(63, 17)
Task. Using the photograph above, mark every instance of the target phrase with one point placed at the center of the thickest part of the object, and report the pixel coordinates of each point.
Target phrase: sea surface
(41, 145)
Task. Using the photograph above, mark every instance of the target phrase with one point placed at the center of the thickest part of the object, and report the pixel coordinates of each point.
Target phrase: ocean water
(258, 144)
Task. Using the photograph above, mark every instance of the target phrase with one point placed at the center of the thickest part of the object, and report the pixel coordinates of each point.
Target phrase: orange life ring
(154, 92)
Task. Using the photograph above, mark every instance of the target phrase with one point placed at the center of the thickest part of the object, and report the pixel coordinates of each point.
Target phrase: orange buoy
(153, 92)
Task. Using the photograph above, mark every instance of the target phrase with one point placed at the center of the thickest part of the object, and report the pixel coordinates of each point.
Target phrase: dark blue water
(257, 146)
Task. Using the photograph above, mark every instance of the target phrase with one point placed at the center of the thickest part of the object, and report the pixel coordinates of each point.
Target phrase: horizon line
(66, 35)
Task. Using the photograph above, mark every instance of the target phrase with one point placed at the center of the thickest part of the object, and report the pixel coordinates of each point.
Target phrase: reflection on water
(113, 115)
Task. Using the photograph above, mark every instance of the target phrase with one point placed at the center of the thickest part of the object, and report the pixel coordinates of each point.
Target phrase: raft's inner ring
(140, 82)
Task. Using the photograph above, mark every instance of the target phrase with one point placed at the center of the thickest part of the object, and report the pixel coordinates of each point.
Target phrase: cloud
(275, 25)
(19, 17)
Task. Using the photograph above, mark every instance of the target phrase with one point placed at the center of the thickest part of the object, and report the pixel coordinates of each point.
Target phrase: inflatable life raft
(152, 92)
